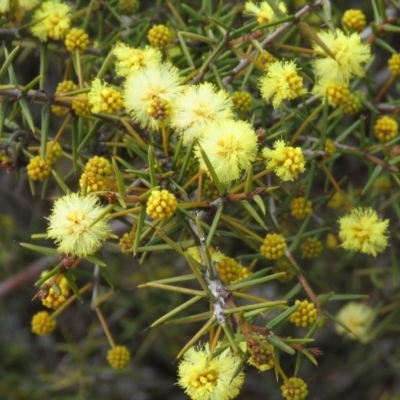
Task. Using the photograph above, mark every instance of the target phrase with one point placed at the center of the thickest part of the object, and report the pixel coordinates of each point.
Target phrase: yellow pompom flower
(76, 39)
(305, 315)
(118, 357)
(51, 21)
(354, 19)
(394, 64)
(337, 94)
(300, 207)
(350, 53)
(94, 178)
(130, 59)
(228, 270)
(71, 225)
(104, 99)
(363, 231)
(81, 105)
(263, 12)
(287, 162)
(161, 204)
(64, 87)
(353, 104)
(197, 106)
(38, 169)
(56, 295)
(242, 101)
(311, 247)
(281, 82)
(261, 352)
(273, 247)
(294, 389)
(149, 90)
(357, 318)
(386, 128)
(231, 147)
(126, 242)
(159, 36)
(42, 323)
(205, 378)
(53, 152)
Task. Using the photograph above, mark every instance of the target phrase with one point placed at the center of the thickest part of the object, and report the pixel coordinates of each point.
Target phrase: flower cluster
(261, 353)
(305, 315)
(281, 82)
(354, 19)
(231, 271)
(386, 128)
(76, 39)
(52, 20)
(161, 205)
(273, 247)
(355, 320)
(159, 36)
(38, 169)
(56, 296)
(363, 231)
(104, 99)
(43, 324)
(64, 87)
(204, 377)
(294, 389)
(94, 178)
(300, 207)
(78, 225)
(263, 12)
(287, 162)
(118, 357)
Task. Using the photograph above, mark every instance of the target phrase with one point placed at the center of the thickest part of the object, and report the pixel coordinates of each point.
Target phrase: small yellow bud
(42, 323)
(118, 357)
(161, 204)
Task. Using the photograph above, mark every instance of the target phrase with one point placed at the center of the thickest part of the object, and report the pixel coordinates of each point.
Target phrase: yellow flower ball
(273, 247)
(363, 231)
(294, 389)
(386, 128)
(287, 162)
(104, 99)
(261, 353)
(305, 315)
(242, 101)
(63, 87)
(81, 105)
(353, 104)
(337, 94)
(281, 82)
(300, 207)
(57, 294)
(229, 270)
(97, 171)
(76, 39)
(128, 6)
(159, 36)
(126, 242)
(354, 19)
(42, 323)
(161, 204)
(53, 152)
(38, 169)
(119, 357)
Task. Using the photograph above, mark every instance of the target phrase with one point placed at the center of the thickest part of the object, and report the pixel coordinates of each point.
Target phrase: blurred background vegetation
(71, 362)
